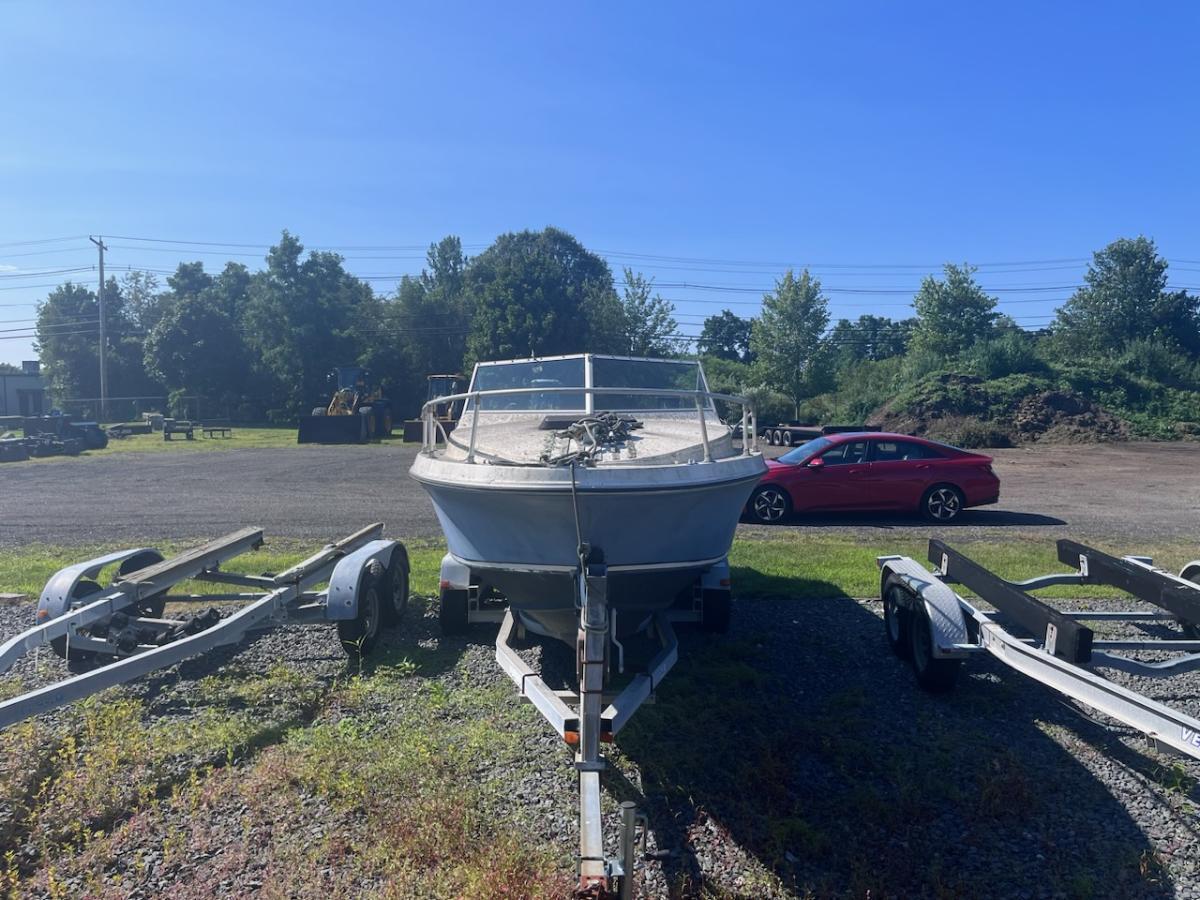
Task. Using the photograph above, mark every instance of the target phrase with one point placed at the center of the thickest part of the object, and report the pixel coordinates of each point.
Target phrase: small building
(23, 394)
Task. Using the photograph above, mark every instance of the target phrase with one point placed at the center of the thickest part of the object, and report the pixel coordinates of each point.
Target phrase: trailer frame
(937, 629)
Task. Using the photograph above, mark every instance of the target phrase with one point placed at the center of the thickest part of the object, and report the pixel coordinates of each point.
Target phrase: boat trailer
(593, 715)
(936, 629)
(112, 635)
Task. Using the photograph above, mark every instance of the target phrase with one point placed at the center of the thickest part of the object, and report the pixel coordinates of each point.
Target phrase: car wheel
(942, 503)
(897, 618)
(770, 504)
(934, 675)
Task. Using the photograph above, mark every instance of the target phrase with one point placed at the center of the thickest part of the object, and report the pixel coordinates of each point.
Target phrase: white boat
(626, 456)
(580, 489)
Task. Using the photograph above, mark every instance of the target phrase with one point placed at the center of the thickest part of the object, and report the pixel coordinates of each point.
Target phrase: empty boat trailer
(110, 635)
(936, 629)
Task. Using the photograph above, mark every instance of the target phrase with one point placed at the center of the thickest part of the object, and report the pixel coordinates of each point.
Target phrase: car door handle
(925, 466)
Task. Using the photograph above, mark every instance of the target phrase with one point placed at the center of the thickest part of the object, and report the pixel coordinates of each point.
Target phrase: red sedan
(874, 470)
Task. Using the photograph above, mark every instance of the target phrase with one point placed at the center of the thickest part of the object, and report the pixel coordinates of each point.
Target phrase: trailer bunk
(936, 629)
(110, 635)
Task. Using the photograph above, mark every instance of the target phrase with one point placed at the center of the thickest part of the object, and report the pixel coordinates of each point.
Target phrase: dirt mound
(967, 411)
(1064, 417)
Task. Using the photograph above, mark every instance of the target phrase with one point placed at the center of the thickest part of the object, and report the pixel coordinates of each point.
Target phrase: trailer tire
(715, 610)
(151, 607)
(897, 618)
(397, 587)
(778, 438)
(937, 676)
(360, 634)
(452, 611)
(78, 660)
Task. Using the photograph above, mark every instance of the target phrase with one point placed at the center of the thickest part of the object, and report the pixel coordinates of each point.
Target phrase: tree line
(257, 345)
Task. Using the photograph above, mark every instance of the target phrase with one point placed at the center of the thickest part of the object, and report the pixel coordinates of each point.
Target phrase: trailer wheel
(778, 438)
(358, 635)
(897, 619)
(715, 609)
(934, 675)
(78, 660)
(397, 584)
(452, 611)
(151, 607)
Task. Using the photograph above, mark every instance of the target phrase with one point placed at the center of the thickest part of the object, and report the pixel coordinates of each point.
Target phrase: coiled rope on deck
(592, 435)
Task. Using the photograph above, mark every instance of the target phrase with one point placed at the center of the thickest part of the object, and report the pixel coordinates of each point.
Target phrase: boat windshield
(671, 375)
(550, 373)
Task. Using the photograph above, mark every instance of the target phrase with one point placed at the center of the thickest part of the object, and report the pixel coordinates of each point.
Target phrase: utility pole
(99, 242)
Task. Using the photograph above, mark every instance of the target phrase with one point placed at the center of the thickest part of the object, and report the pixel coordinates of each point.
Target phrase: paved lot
(1137, 491)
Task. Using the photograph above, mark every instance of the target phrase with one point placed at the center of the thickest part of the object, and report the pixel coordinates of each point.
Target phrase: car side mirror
(815, 463)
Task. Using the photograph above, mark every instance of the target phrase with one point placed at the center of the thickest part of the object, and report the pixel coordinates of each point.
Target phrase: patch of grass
(799, 565)
(242, 438)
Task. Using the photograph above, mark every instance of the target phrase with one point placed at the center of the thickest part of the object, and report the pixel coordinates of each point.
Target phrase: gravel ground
(776, 763)
(793, 758)
(313, 492)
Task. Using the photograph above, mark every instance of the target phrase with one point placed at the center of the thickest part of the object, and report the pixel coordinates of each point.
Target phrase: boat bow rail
(434, 432)
(936, 629)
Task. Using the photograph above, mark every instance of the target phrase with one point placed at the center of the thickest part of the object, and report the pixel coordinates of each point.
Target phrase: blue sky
(717, 142)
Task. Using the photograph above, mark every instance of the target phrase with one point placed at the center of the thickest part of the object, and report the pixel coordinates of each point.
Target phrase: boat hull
(656, 529)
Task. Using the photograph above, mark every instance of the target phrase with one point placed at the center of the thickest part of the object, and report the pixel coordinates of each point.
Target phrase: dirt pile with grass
(968, 411)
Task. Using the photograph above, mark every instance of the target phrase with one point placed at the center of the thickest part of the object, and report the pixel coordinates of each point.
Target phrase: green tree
(726, 336)
(1125, 298)
(952, 314)
(303, 318)
(143, 299)
(868, 338)
(787, 336)
(541, 293)
(650, 326)
(196, 348)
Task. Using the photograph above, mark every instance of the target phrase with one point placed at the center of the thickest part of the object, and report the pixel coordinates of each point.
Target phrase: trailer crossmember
(936, 629)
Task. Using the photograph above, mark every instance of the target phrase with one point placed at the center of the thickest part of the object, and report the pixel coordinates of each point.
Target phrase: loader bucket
(333, 430)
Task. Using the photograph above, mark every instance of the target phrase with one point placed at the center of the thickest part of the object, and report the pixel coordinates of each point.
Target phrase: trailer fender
(947, 624)
(1191, 572)
(455, 574)
(341, 600)
(56, 595)
(716, 577)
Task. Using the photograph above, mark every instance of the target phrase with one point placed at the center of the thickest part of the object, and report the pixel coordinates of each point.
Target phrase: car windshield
(805, 450)
(671, 375)
(550, 373)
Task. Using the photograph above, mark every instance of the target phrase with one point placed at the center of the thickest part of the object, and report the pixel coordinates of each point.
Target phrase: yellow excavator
(357, 412)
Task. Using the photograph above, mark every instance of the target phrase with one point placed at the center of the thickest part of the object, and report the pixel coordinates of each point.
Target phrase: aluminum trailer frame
(108, 624)
(592, 715)
(937, 629)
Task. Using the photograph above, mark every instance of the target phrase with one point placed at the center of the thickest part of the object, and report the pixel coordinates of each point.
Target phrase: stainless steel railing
(431, 426)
